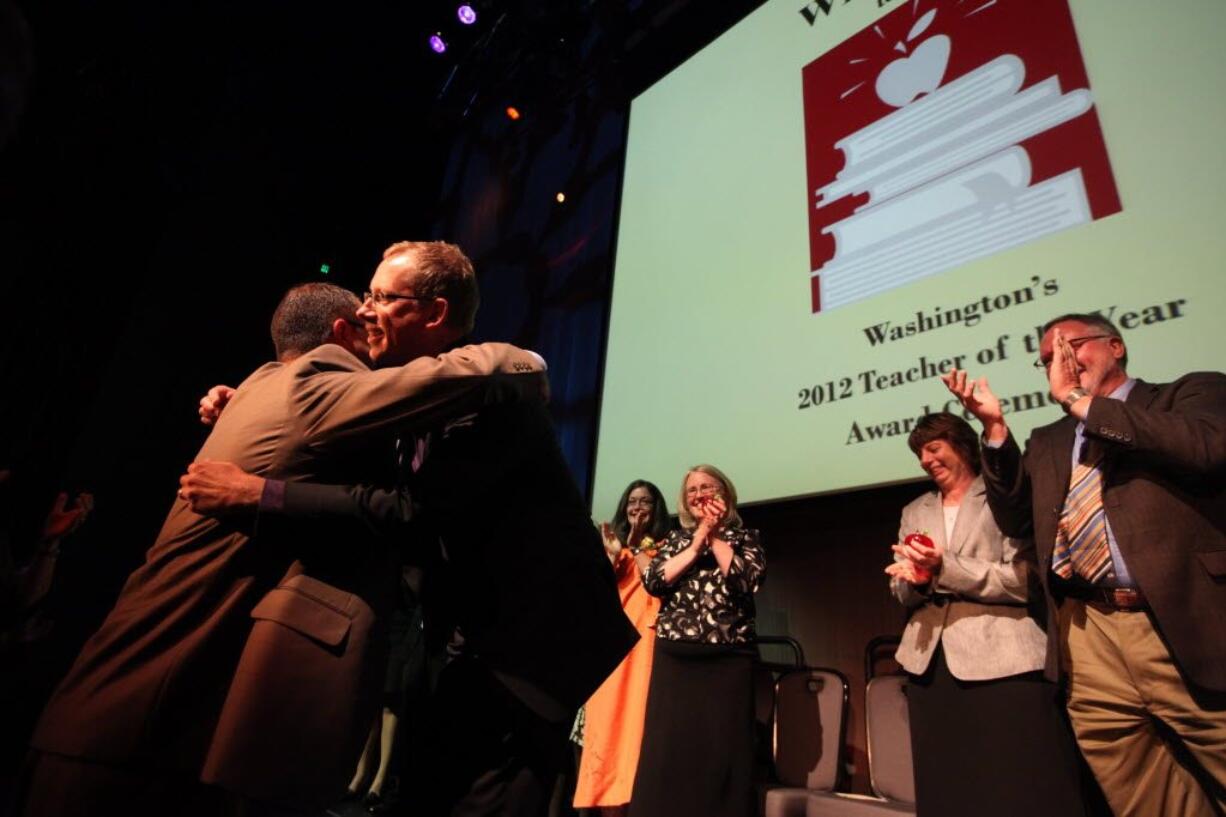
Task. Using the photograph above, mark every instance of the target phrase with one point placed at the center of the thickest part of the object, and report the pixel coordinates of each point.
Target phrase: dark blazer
(1165, 497)
(533, 591)
(148, 688)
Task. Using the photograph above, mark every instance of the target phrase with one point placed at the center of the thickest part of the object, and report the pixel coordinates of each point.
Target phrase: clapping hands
(1064, 373)
(908, 572)
(63, 520)
(977, 398)
(612, 545)
(714, 509)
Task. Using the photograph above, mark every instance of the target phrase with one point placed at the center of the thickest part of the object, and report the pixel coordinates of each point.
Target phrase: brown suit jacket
(149, 686)
(1165, 496)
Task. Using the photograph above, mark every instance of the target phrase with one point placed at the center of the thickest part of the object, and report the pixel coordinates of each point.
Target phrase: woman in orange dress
(613, 730)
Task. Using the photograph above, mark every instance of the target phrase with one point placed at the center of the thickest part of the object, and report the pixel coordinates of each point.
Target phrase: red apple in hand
(922, 574)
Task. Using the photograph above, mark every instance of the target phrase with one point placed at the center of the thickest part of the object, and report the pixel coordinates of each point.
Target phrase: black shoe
(376, 804)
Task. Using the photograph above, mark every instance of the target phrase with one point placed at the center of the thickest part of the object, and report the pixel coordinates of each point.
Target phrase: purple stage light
(437, 44)
(466, 14)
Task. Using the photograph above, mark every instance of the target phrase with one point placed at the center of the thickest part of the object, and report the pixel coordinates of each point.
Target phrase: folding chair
(809, 734)
(889, 750)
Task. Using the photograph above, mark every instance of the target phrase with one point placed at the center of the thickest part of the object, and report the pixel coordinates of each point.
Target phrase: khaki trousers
(1121, 678)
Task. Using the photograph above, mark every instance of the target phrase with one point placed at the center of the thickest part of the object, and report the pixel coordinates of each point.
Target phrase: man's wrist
(271, 496)
(1071, 397)
(995, 433)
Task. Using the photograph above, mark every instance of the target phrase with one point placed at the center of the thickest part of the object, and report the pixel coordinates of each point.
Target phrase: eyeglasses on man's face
(385, 298)
(1076, 343)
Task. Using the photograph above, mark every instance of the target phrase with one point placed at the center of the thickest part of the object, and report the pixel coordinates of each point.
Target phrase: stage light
(436, 43)
(325, 268)
(561, 197)
(512, 112)
(466, 14)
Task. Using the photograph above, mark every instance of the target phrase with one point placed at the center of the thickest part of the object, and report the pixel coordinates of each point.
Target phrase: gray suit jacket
(987, 629)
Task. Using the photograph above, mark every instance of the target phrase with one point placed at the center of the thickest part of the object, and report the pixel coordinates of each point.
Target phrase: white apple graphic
(900, 82)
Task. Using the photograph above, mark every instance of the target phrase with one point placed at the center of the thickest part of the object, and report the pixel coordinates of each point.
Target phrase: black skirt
(697, 754)
(1000, 747)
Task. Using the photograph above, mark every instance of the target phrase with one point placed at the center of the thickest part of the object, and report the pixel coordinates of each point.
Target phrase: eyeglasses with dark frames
(1076, 343)
(385, 298)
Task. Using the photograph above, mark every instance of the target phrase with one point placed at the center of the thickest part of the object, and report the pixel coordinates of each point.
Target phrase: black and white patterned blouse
(704, 605)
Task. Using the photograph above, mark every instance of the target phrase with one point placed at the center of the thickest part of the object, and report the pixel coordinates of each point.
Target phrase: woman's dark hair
(659, 526)
(952, 429)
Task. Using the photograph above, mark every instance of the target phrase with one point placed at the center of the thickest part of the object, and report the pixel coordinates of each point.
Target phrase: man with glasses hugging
(1125, 499)
(224, 614)
(486, 502)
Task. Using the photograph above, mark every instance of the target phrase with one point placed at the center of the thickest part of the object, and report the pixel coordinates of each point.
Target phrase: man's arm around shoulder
(421, 393)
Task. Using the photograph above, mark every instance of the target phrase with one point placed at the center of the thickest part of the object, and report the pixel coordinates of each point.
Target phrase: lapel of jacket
(1056, 447)
(1051, 451)
(932, 518)
(973, 506)
(1142, 394)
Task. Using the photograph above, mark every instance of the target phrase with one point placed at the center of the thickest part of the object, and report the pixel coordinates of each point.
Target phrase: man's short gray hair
(1100, 323)
(444, 271)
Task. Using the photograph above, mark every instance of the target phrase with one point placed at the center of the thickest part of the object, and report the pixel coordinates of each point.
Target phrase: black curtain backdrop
(544, 266)
(172, 169)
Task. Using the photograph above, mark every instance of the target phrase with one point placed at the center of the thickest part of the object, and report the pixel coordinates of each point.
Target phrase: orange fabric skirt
(613, 730)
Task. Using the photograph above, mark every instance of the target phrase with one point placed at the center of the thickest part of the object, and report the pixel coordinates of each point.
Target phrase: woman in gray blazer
(987, 732)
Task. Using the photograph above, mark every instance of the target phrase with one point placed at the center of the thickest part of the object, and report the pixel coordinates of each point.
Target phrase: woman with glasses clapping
(697, 756)
(613, 728)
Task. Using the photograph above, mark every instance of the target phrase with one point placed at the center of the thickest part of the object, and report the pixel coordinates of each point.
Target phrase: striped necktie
(1081, 536)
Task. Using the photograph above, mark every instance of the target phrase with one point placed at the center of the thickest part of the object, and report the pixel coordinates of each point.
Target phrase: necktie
(411, 452)
(1081, 536)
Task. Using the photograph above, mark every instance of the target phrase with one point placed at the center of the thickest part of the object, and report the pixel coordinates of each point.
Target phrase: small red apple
(922, 574)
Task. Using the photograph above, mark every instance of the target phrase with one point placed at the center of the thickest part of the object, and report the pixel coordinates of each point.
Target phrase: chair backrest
(764, 722)
(889, 739)
(780, 651)
(878, 651)
(810, 728)
(764, 698)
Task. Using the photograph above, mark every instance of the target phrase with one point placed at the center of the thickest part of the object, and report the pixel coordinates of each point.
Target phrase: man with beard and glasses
(1126, 500)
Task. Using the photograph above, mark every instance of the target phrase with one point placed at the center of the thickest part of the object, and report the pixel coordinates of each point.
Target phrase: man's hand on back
(212, 403)
(216, 488)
